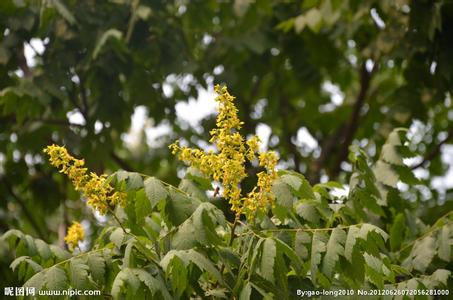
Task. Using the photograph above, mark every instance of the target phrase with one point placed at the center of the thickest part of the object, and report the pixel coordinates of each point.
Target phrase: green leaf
(153, 284)
(96, 264)
(117, 237)
(37, 281)
(299, 23)
(195, 257)
(178, 273)
(204, 264)
(125, 276)
(192, 189)
(198, 177)
(373, 262)
(301, 242)
(422, 253)
(246, 292)
(367, 228)
(318, 246)
(282, 194)
(374, 276)
(436, 279)
(391, 156)
(56, 278)
(128, 257)
(143, 12)
(291, 254)
(313, 19)
(63, 11)
(145, 246)
(12, 236)
(385, 174)
(27, 260)
(397, 232)
(78, 273)
(351, 240)
(444, 243)
(307, 210)
(298, 184)
(411, 284)
(133, 180)
(155, 191)
(406, 175)
(335, 248)
(179, 207)
(217, 293)
(59, 253)
(142, 206)
(199, 228)
(291, 180)
(31, 246)
(111, 33)
(268, 257)
(43, 249)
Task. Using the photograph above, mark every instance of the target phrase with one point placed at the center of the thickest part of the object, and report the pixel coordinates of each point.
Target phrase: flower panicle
(100, 195)
(227, 165)
(75, 234)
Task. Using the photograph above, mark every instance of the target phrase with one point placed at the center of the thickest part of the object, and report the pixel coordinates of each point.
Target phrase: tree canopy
(323, 76)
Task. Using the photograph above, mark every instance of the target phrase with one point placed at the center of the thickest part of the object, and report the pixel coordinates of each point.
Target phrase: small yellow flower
(254, 144)
(75, 235)
(100, 195)
(228, 164)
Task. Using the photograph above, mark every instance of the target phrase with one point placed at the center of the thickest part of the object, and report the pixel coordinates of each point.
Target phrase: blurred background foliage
(316, 76)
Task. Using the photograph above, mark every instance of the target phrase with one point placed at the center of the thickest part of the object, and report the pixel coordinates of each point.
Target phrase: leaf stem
(298, 229)
(233, 235)
(128, 232)
(163, 182)
(429, 232)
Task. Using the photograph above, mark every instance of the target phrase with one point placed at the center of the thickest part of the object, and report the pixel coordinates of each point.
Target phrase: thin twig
(132, 20)
(434, 151)
(119, 222)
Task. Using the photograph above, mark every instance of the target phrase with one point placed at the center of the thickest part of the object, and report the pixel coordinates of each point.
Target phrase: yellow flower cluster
(75, 235)
(228, 164)
(100, 195)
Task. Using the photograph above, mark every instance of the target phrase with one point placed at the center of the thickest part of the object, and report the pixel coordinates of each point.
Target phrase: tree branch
(22, 63)
(353, 124)
(60, 122)
(328, 146)
(121, 162)
(345, 134)
(84, 97)
(430, 155)
(25, 209)
(286, 110)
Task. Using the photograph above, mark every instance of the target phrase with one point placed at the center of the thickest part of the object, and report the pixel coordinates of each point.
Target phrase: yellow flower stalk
(228, 164)
(75, 235)
(100, 195)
